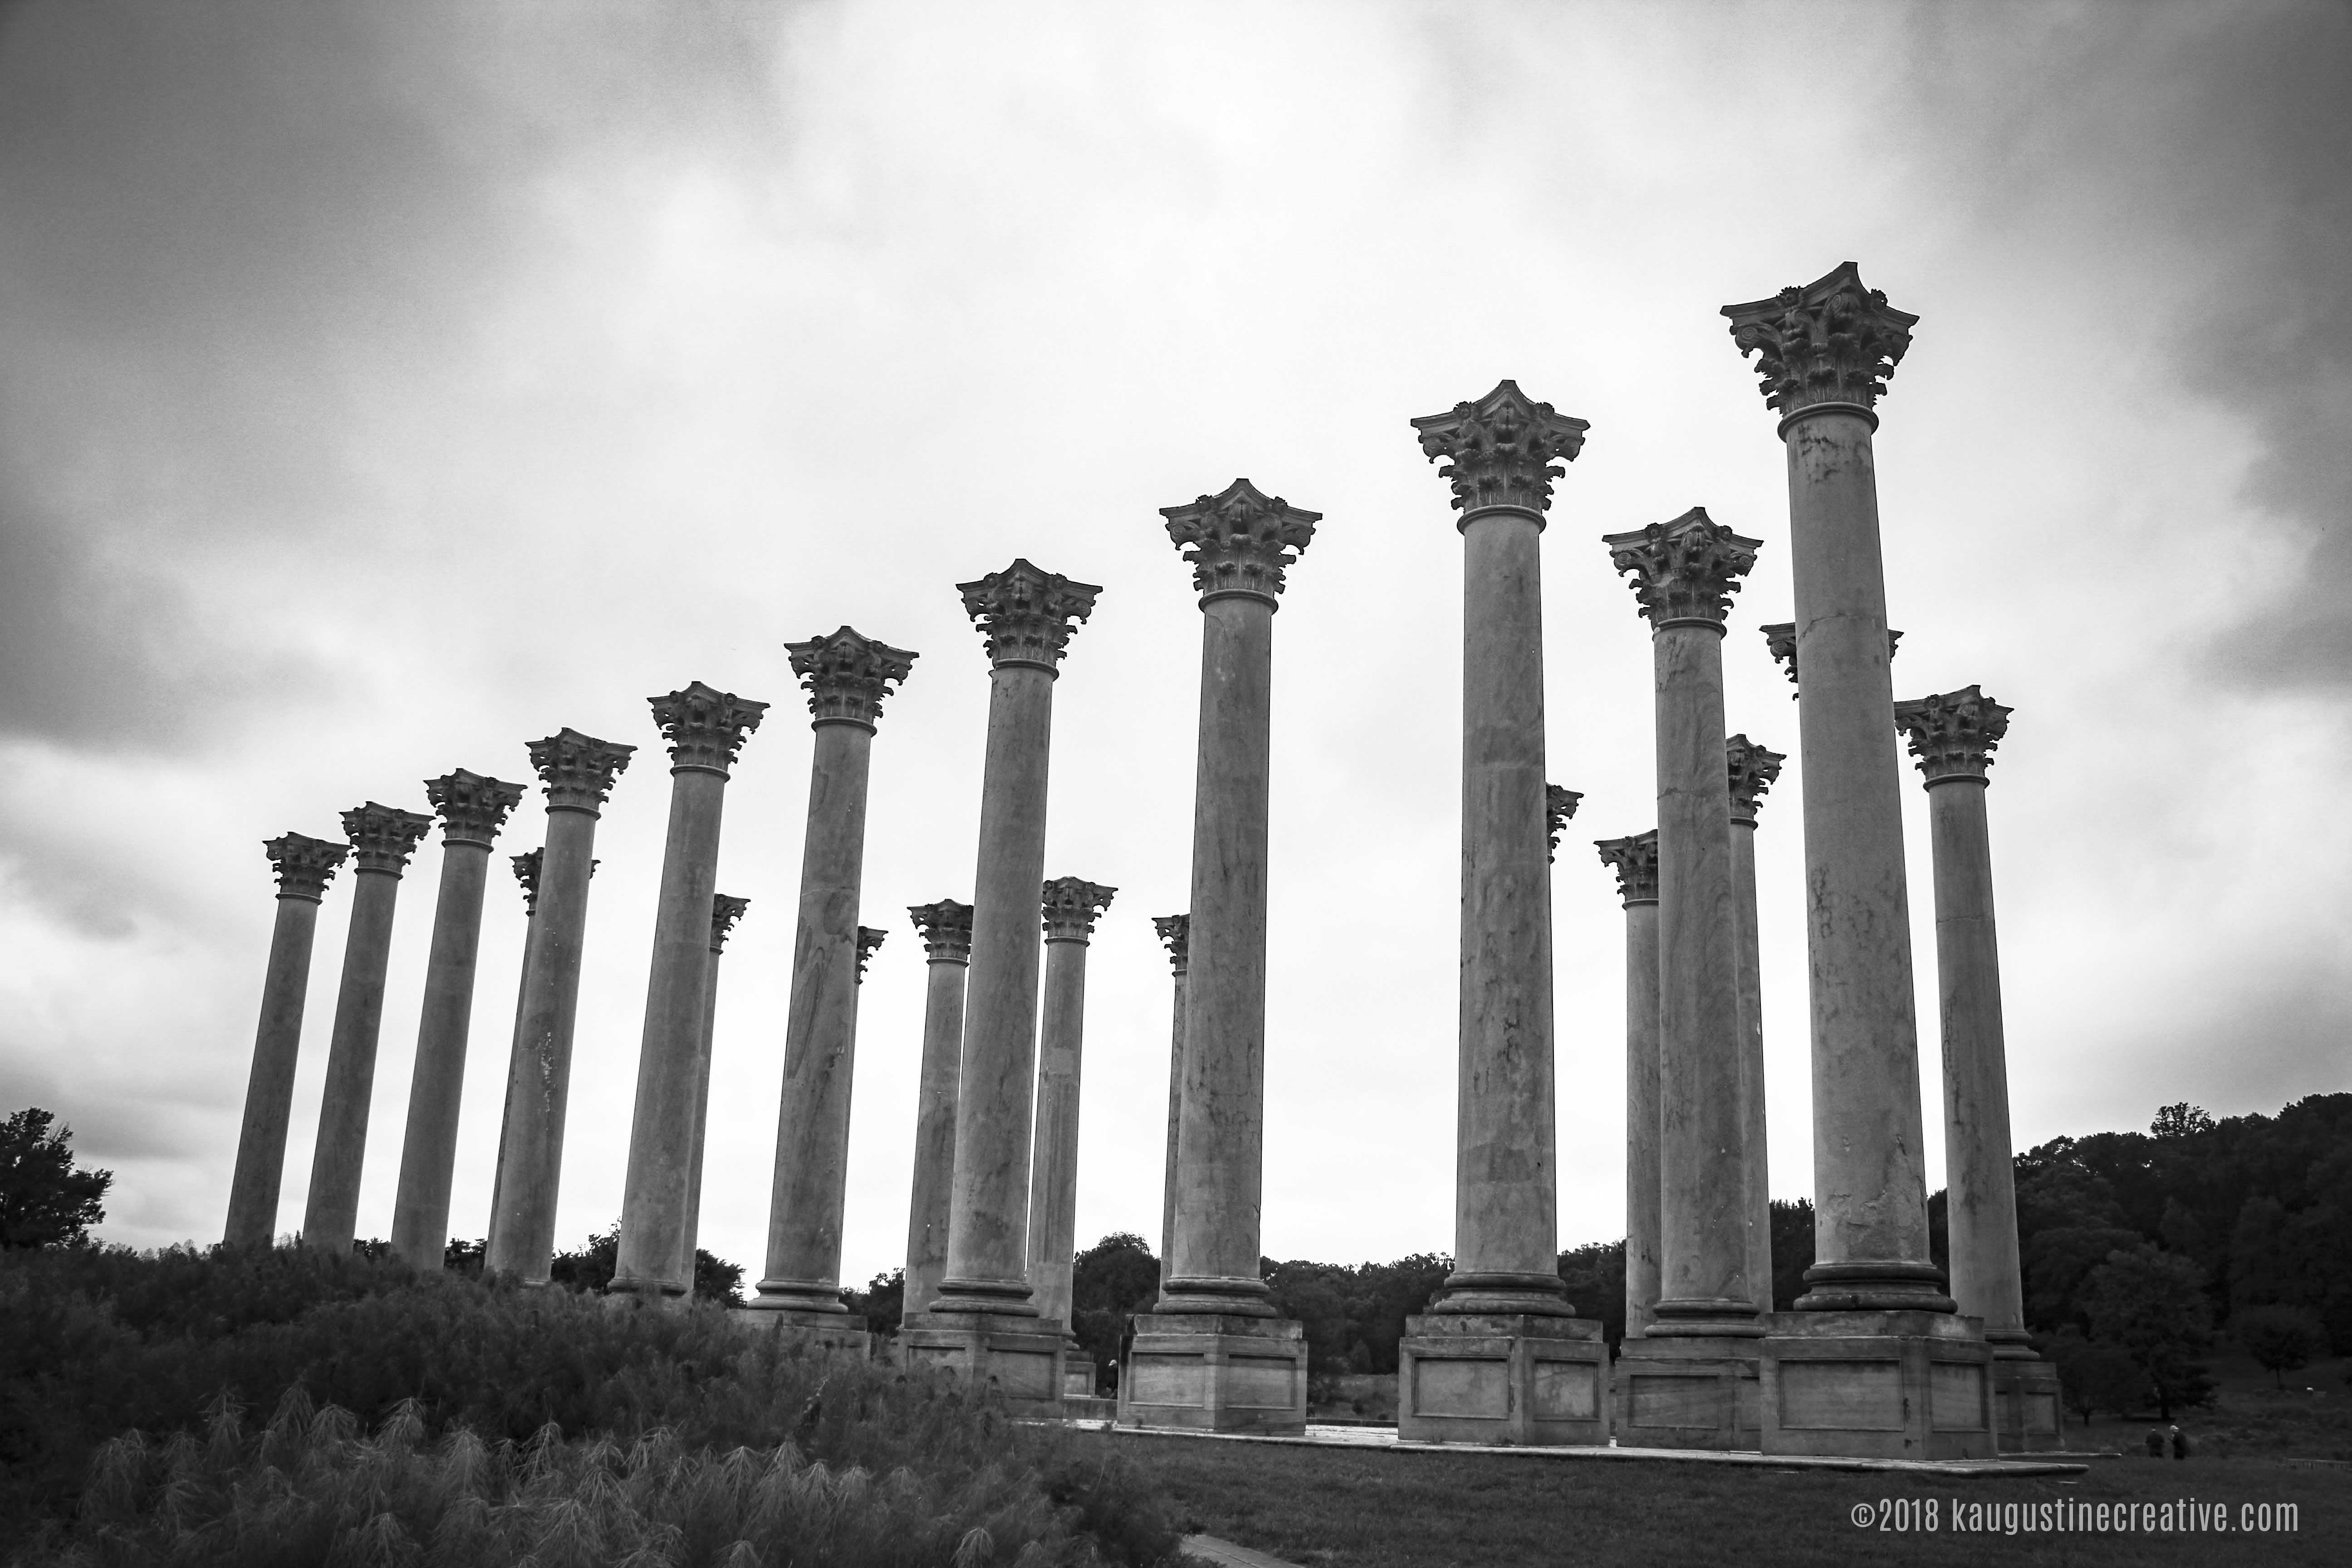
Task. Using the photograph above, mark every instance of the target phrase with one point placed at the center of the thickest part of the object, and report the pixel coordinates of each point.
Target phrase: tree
(2282, 1339)
(883, 1302)
(45, 1199)
(1110, 1282)
(2093, 1375)
(2152, 1303)
(2180, 1120)
(1792, 1249)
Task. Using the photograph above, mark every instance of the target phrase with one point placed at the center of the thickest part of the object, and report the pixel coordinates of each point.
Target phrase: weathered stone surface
(1883, 1384)
(1070, 908)
(1560, 808)
(846, 675)
(1752, 769)
(1501, 450)
(1503, 1378)
(1215, 1372)
(1953, 735)
(1830, 340)
(1176, 935)
(1240, 541)
(1781, 642)
(946, 928)
(1027, 615)
(725, 911)
(1635, 861)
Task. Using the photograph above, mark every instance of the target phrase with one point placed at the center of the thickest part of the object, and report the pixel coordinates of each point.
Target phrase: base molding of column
(1201, 1372)
(828, 1334)
(1689, 1391)
(1024, 1359)
(654, 1293)
(1506, 1378)
(1878, 1385)
(2025, 1404)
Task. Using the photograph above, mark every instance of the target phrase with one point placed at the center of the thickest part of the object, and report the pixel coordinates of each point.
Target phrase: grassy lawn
(1357, 1508)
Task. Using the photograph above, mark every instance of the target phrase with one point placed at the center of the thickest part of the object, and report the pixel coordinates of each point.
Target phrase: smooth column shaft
(1054, 1175)
(1640, 1116)
(1751, 1062)
(1980, 1173)
(330, 1218)
(935, 1133)
(428, 1151)
(692, 1237)
(988, 1231)
(1168, 1187)
(253, 1190)
(538, 1070)
(661, 1131)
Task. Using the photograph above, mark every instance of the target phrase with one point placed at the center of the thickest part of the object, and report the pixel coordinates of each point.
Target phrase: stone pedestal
(1689, 1392)
(1205, 1371)
(1877, 1384)
(1023, 1360)
(1635, 861)
(1503, 1377)
(2026, 1417)
(1070, 907)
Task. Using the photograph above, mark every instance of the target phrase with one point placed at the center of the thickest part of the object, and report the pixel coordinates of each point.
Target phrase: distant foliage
(45, 1200)
(2151, 1305)
(883, 1302)
(1110, 1281)
(1792, 1250)
(1355, 1316)
(1595, 1277)
(2280, 1338)
(2094, 1376)
(592, 1268)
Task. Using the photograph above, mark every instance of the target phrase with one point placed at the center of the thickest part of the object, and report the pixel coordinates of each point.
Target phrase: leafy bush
(2282, 1339)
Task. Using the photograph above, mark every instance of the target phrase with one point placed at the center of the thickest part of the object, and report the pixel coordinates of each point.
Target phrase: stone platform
(1877, 1383)
(1023, 1358)
(1214, 1372)
(1497, 1377)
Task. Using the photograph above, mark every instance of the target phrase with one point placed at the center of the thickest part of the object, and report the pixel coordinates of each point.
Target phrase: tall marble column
(1752, 769)
(982, 1323)
(1176, 935)
(304, 867)
(1070, 907)
(383, 837)
(1635, 861)
(724, 912)
(705, 728)
(846, 676)
(946, 928)
(1952, 738)
(576, 772)
(473, 808)
(1212, 1354)
(1824, 352)
(1504, 451)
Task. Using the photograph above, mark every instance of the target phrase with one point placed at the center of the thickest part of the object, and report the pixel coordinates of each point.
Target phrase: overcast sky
(385, 387)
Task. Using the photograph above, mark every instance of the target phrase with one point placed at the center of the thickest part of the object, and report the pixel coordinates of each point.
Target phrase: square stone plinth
(1021, 1358)
(1689, 1391)
(1211, 1372)
(828, 1334)
(1878, 1385)
(1502, 1377)
(2025, 1406)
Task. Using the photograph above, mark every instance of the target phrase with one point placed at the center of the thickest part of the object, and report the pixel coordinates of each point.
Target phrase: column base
(1021, 1358)
(1202, 1372)
(1878, 1385)
(1502, 1378)
(650, 1293)
(828, 1334)
(1690, 1391)
(2025, 1403)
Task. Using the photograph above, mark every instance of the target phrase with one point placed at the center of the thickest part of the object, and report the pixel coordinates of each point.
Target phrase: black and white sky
(383, 387)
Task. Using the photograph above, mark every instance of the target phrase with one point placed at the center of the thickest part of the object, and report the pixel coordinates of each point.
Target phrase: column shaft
(1054, 1176)
(269, 1092)
(1751, 1062)
(428, 1151)
(935, 1131)
(1168, 1188)
(1642, 1157)
(330, 1217)
(691, 1236)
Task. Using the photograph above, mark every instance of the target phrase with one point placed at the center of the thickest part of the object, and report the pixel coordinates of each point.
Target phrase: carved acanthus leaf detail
(1831, 340)
(1781, 642)
(1240, 541)
(473, 808)
(705, 728)
(1686, 570)
(1071, 906)
(526, 869)
(1559, 806)
(724, 912)
(1635, 861)
(1752, 769)
(845, 674)
(946, 928)
(1176, 935)
(1953, 735)
(1026, 615)
(1501, 449)
(304, 864)
(868, 939)
(578, 770)
(383, 836)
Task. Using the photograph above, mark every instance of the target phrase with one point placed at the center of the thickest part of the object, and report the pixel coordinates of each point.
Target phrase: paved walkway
(1226, 1554)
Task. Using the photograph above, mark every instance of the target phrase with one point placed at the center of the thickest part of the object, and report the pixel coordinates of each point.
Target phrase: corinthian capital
(578, 770)
(705, 728)
(383, 836)
(1953, 735)
(1071, 906)
(1241, 540)
(304, 865)
(1024, 614)
(1753, 769)
(1635, 861)
(946, 928)
(845, 674)
(1501, 450)
(473, 808)
(1831, 340)
(1559, 805)
(1176, 935)
(724, 912)
(868, 939)
(1781, 642)
(1685, 570)
(526, 870)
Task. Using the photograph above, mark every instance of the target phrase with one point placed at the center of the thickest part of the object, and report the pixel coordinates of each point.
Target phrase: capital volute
(1829, 343)
(868, 939)
(1635, 861)
(845, 674)
(526, 869)
(1025, 616)
(1753, 770)
(1071, 906)
(1240, 541)
(1953, 735)
(473, 808)
(1501, 451)
(304, 865)
(946, 928)
(705, 728)
(1781, 642)
(1684, 571)
(1176, 935)
(1559, 806)
(383, 836)
(724, 912)
(577, 771)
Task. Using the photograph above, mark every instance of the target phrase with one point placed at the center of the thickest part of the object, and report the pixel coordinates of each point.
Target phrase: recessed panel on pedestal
(1168, 1380)
(1843, 1395)
(1463, 1388)
(1567, 1391)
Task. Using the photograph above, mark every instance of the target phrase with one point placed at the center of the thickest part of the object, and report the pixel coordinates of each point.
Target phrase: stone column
(982, 1323)
(1781, 642)
(304, 867)
(383, 837)
(473, 808)
(705, 728)
(724, 912)
(576, 772)
(1752, 769)
(1071, 907)
(1176, 935)
(846, 676)
(1635, 861)
(945, 927)
(1953, 736)
(1824, 352)
(1505, 1295)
